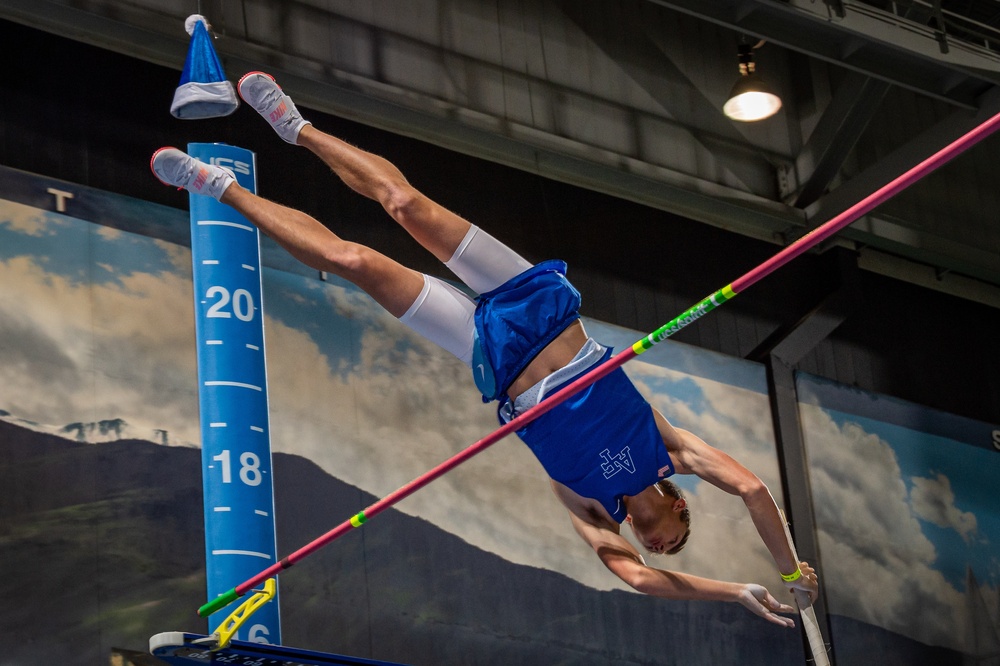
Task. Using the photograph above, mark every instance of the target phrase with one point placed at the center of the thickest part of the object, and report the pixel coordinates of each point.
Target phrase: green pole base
(220, 601)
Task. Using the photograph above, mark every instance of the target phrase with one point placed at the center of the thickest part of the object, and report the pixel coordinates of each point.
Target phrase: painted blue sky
(933, 445)
(903, 511)
(79, 252)
(973, 478)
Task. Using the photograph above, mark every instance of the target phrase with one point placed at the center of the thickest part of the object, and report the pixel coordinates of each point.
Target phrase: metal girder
(842, 124)
(860, 41)
(795, 477)
(907, 241)
(780, 352)
(648, 75)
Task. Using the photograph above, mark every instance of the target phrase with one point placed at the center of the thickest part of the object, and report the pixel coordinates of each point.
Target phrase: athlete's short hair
(669, 489)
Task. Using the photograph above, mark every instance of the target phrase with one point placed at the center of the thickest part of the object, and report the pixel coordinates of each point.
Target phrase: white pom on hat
(190, 22)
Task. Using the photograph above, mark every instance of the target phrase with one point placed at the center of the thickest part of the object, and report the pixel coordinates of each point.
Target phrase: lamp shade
(751, 99)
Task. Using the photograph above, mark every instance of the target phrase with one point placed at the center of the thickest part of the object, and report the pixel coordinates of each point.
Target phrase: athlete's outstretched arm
(691, 455)
(622, 559)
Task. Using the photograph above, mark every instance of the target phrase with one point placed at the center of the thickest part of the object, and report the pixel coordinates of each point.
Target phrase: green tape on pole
(219, 602)
(359, 519)
(689, 316)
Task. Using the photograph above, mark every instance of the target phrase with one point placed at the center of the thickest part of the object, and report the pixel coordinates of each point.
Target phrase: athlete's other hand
(760, 602)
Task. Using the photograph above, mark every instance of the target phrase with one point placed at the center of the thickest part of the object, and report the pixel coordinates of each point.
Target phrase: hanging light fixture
(751, 98)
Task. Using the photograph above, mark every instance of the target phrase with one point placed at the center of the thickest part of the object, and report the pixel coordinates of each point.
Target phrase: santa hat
(204, 91)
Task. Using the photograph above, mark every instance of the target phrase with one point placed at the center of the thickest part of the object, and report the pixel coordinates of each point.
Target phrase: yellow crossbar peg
(232, 624)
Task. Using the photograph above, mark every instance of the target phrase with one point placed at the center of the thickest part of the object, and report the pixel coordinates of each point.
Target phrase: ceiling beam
(868, 43)
(647, 65)
(919, 246)
(839, 129)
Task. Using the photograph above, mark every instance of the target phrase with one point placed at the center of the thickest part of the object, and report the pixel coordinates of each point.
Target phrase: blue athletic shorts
(515, 321)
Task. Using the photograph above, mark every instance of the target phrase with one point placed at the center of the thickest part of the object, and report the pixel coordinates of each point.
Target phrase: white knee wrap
(445, 316)
(484, 263)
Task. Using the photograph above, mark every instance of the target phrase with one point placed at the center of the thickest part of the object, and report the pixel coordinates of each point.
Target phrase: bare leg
(391, 284)
(437, 229)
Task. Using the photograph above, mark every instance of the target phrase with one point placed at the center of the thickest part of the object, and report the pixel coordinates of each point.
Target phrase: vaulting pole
(708, 304)
(817, 646)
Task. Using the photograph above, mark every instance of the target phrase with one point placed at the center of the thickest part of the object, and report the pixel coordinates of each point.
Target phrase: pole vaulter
(800, 246)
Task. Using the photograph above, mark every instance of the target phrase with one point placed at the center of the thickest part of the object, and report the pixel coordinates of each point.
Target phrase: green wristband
(792, 577)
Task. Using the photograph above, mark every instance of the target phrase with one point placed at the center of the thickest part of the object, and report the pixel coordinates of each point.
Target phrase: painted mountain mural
(106, 547)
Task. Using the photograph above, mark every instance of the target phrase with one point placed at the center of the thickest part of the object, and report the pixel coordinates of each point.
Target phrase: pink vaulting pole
(797, 248)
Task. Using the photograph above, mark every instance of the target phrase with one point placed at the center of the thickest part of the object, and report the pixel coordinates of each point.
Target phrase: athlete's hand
(760, 602)
(807, 582)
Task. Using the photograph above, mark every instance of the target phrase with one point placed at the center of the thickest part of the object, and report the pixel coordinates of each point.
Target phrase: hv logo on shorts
(615, 463)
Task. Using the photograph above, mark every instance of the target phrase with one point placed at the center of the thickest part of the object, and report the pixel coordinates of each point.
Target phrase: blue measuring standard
(232, 378)
(182, 649)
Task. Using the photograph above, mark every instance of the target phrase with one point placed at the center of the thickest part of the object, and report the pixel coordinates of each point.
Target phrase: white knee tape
(445, 316)
(484, 263)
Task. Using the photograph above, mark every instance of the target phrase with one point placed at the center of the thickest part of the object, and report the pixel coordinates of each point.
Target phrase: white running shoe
(260, 91)
(177, 168)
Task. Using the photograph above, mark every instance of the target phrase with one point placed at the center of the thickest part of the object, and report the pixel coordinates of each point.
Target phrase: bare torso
(558, 353)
